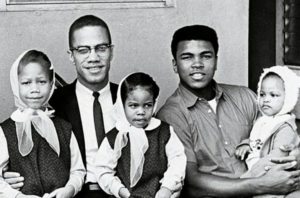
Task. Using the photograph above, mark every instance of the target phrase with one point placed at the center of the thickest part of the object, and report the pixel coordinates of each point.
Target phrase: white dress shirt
(106, 162)
(77, 170)
(85, 100)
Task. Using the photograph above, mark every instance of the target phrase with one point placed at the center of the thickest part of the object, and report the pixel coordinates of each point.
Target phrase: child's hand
(124, 192)
(65, 192)
(242, 151)
(163, 193)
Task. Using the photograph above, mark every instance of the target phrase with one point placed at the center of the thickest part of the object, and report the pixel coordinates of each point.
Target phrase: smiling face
(92, 69)
(34, 85)
(272, 95)
(196, 63)
(139, 106)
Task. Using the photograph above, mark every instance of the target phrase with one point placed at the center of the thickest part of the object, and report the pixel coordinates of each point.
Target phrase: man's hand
(278, 180)
(163, 193)
(242, 151)
(14, 180)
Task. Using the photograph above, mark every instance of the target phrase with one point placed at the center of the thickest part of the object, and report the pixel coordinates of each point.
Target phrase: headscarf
(25, 116)
(291, 86)
(139, 142)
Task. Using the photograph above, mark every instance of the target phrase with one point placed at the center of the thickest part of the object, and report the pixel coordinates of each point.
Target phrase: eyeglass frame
(90, 48)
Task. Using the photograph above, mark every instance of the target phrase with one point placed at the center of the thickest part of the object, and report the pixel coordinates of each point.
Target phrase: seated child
(141, 156)
(278, 90)
(35, 143)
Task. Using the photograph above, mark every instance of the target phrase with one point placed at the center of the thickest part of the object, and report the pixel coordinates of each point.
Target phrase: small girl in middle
(141, 156)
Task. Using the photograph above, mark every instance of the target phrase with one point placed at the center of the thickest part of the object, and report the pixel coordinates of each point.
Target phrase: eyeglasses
(100, 49)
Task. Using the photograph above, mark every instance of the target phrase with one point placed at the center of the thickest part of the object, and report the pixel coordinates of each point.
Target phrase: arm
(285, 135)
(105, 164)
(77, 171)
(175, 173)
(5, 188)
(275, 181)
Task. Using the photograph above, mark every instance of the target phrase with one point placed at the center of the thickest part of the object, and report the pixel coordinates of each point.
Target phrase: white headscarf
(25, 116)
(138, 138)
(291, 86)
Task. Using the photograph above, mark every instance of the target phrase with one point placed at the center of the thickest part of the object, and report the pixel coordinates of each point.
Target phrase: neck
(95, 86)
(208, 92)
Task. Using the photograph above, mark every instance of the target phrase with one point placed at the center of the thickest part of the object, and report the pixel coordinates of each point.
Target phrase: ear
(71, 57)
(111, 52)
(174, 66)
(216, 63)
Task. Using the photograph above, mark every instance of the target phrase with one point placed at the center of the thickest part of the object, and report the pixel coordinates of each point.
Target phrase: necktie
(98, 119)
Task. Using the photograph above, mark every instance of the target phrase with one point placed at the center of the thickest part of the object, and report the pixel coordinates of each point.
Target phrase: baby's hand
(242, 151)
(124, 192)
(163, 193)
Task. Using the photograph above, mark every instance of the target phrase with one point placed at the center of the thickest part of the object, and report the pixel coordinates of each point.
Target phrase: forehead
(90, 35)
(195, 46)
(273, 81)
(32, 68)
(140, 91)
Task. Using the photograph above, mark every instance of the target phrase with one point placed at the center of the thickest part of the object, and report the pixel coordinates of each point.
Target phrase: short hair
(87, 20)
(194, 32)
(35, 56)
(139, 79)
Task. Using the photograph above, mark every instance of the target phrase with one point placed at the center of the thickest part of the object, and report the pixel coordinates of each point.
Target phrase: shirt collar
(153, 124)
(86, 91)
(190, 99)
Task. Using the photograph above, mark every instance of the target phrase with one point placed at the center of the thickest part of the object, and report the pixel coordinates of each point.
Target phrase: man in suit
(91, 52)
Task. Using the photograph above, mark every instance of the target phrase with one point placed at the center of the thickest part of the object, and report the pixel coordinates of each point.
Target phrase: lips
(94, 69)
(197, 75)
(265, 107)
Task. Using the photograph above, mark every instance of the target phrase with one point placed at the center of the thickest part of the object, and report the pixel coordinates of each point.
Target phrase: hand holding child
(124, 192)
(163, 193)
(242, 151)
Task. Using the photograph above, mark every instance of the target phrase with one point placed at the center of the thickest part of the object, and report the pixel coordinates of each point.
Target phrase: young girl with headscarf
(35, 143)
(141, 156)
(278, 90)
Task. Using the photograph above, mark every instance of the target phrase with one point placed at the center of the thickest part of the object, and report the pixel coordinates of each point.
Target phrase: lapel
(73, 116)
(113, 91)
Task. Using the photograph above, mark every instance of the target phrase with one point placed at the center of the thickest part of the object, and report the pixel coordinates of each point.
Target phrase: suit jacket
(65, 103)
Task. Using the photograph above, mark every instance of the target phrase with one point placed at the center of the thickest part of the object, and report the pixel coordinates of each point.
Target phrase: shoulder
(237, 91)
(171, 106)
(7, 123)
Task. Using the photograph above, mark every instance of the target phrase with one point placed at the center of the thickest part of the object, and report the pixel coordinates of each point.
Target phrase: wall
(141, 37)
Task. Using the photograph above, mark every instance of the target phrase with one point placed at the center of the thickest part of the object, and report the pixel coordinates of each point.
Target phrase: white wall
(141, 37)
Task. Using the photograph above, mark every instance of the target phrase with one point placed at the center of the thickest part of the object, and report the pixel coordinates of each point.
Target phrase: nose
(93, 56)
(266, 99)
(34, 88)
(141, 111)
(198, 62)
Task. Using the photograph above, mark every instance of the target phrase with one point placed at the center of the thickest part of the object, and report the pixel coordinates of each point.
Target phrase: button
(226, 143)
(220, 126)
